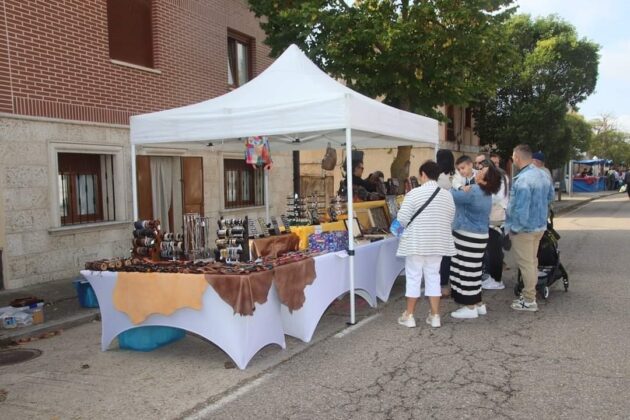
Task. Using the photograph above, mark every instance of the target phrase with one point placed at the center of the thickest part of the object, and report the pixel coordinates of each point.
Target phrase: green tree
(415, 55)
(609, 142)
(551, 72)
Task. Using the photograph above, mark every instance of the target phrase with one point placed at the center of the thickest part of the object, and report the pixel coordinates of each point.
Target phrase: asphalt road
(570, 360)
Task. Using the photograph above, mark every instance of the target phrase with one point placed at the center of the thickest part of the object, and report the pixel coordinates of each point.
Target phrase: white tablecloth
(376, 267)
(241, 337)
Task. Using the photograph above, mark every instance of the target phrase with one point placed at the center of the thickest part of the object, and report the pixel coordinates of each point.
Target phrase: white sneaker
(434, 321)
(465, 313)
(407, 320)
(523, 305)
(481, 309)
(492, 284)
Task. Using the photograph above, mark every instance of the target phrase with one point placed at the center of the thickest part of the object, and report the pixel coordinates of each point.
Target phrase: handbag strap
(426, 203)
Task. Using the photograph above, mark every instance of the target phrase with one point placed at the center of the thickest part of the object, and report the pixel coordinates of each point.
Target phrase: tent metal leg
(350, 222)
(134, 182)
(266, 195)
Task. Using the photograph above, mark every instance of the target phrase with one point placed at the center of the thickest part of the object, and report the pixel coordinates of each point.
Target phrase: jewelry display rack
(196, 237)
(297, 212)
(146, 239)
(316, 208)
(233, 239)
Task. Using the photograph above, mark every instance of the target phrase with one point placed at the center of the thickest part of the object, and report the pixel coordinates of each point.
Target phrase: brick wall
(54, 59)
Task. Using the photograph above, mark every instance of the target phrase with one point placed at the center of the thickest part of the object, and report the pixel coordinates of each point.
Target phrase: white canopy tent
(298, 107)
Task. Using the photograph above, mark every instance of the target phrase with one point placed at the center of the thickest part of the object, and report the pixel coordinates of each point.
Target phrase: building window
(468, 118)
(130, 33)
(243, 185)
(450, 125)
(239, 59)
(86, 188)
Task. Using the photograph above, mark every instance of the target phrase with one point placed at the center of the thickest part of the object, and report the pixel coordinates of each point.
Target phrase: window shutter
(145, 192)
(192, 176)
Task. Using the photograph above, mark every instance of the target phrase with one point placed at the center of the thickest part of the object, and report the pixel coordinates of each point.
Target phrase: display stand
(147, 239)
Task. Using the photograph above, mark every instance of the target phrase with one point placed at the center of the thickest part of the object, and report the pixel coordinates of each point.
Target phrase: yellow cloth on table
(142, 294)
(305, 231)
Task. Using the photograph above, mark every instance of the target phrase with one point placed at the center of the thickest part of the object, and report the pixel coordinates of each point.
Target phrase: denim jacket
(472, 210)
(530, 196)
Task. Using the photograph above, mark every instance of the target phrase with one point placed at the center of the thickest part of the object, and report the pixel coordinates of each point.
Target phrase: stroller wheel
(545, 292)
(565, 281)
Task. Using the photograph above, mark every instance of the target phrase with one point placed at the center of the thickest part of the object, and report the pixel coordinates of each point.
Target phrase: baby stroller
(550, 268)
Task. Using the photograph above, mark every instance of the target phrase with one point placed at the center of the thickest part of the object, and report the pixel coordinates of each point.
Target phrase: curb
(581, 203)
(71, 321)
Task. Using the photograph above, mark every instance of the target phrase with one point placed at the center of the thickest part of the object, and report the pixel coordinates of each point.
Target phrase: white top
(445, 181)
(499, 203)
(460, 181)
(430, 232)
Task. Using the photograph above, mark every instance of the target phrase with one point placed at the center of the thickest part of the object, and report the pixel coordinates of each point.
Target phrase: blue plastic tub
(149, 338)
(87, 297)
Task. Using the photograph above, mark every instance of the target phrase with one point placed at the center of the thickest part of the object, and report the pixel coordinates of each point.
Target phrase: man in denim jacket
(530, 196)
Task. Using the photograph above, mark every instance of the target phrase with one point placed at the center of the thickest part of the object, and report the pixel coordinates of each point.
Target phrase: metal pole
(350, 221)
(266, 195)
(570, 183)
(134, 182)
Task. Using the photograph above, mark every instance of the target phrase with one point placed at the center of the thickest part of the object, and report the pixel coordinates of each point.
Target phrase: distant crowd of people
(616, 177)
(458, 222)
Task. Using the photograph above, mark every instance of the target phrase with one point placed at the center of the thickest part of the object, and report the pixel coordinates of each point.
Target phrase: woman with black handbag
(426, 214)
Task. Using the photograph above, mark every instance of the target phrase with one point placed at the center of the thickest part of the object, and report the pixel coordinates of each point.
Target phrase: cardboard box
(38, 316)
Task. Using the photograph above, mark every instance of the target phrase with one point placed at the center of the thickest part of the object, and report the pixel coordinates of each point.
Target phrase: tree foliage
(551, 72)
(608, 142)
(415, 55)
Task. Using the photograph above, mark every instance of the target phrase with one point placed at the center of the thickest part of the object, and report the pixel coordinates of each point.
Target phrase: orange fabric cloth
(274, 246)
(241, 292)
(142, 294)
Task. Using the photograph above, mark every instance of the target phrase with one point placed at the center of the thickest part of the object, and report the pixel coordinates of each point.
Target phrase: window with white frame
(86, 188)
(88, 185)
(239, 59)
(243, 185)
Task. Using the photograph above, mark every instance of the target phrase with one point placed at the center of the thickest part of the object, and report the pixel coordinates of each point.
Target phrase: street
(569, 360)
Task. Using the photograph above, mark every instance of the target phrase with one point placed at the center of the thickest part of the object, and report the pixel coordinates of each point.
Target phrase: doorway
(169, 187)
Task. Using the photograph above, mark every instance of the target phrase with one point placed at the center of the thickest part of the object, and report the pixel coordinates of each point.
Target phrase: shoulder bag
(397, 229)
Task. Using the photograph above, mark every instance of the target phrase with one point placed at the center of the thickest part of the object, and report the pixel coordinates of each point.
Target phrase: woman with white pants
(426, 238)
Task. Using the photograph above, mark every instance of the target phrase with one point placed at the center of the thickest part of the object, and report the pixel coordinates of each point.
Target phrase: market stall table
(589, 184)
(377, 268)
(241, 337)
(300, 294)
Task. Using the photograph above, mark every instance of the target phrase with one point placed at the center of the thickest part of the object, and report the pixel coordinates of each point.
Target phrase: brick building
(72, 72)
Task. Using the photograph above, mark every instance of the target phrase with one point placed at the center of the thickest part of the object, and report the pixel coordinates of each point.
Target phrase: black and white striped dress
(466, 268)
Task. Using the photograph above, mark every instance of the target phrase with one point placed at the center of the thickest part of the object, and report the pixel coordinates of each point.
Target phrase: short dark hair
(463, 159)
(446, 161)
(430, 169)
(524, 151)
(493, 180)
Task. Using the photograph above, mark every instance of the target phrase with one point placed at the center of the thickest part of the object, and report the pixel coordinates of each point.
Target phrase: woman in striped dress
(470, 232)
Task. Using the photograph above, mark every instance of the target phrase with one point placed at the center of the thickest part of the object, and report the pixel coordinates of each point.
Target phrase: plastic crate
(149, 338)
(87, 297)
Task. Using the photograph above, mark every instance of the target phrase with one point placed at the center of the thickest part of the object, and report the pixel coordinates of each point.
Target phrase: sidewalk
(568, 203)
(62, 309)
